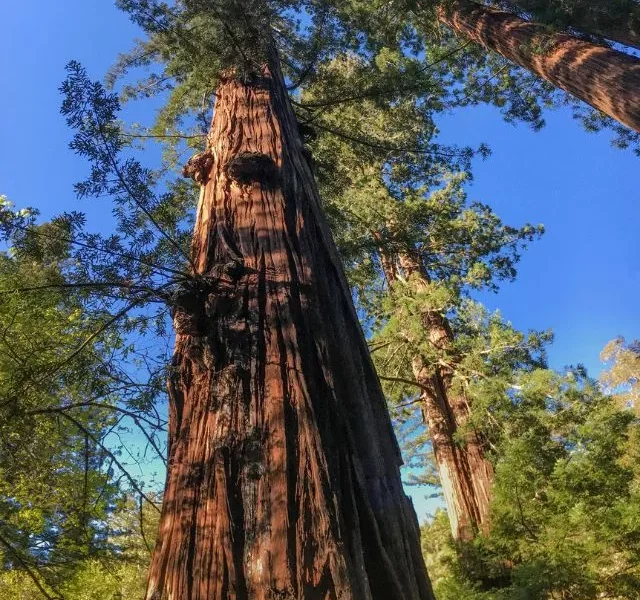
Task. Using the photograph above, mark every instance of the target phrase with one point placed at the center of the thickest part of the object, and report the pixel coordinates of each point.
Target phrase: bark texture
(604, 78)
(283, 480)
(465, 474)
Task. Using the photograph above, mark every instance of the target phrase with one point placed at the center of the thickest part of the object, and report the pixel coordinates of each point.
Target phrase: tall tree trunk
(283, 480)
(623, 32)
(604, 78)
(465, 474)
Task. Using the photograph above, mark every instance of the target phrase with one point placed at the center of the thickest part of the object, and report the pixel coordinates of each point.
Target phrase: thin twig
(141, 519)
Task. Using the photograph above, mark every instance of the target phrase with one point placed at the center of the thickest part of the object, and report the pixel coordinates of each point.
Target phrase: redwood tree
(600, 76)
(464, 468)
(283, 477)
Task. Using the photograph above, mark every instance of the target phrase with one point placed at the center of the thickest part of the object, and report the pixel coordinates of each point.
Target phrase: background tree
(565, 453)
(602, 77)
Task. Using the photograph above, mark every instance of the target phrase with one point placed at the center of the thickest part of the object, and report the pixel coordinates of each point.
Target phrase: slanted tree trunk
(465, 474)
(283, 479)
(604, 78)
(623, 31)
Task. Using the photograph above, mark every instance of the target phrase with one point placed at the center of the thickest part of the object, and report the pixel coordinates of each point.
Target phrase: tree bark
(604, 78)
(465, 474)
(283, 479)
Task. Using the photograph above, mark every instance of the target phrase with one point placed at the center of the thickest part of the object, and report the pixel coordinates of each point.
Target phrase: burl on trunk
(283, 478)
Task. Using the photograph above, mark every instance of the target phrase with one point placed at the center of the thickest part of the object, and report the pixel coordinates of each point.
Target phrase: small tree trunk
(283, 480)
(604, 78)
(465, 474)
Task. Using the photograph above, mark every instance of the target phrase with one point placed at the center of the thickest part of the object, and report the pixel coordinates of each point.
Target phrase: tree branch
(30, 571)
(403, 380)
(112, 456)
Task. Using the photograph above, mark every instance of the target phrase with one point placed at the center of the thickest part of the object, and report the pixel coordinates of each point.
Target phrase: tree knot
(247, 167)
(231, 271)
(198, 167)
(188, 307)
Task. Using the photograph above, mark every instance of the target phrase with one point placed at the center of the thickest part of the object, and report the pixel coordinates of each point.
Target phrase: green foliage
(605, 18)
(62, 398)
(92, 579)
(119, 575)
(54, 491)
(566, 511)
(622, 378)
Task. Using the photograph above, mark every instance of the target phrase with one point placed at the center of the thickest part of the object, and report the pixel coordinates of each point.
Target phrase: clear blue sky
(582, 279)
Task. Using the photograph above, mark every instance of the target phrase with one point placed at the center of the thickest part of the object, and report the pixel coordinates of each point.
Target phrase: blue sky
(582, 279)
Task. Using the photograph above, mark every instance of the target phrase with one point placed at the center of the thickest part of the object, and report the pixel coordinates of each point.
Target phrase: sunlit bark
(600, 76)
